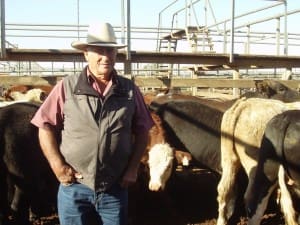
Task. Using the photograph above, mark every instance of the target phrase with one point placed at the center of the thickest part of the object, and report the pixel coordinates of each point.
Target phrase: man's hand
(66, 175)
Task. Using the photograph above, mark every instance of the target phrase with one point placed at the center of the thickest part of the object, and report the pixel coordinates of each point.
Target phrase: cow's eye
(282, 89)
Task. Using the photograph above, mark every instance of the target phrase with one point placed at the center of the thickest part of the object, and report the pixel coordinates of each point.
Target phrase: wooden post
(194, 88)
(287, 74)
(236, 76)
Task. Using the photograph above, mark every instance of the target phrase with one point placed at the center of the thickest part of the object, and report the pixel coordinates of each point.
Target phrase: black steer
(26, 180)
(280, 146)
(274, 90)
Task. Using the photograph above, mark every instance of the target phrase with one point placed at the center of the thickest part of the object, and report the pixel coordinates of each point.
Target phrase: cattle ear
(6, 95)
(264, 88)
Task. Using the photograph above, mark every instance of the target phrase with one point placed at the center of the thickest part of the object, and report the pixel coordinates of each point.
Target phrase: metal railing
(246, 34)
(60, 36)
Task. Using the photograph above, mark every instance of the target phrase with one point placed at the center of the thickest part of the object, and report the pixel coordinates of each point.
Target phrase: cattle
(26, 180)
(160, 158)
(160, 162)
(32, 95)
(242, 130)
(272, 89)
(36, 93)
(193, 125)
(278, 155)
(23, 196)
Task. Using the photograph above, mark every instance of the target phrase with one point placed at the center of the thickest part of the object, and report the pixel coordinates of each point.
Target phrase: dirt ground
(189, 199)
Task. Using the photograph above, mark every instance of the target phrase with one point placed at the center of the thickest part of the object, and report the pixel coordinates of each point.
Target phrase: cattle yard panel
(182, 47)
(145, 63)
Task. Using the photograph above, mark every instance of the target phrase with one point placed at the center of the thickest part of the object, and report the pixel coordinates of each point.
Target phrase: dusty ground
(190, 199)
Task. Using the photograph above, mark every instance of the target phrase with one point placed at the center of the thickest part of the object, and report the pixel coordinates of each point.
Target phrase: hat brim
(82, 45)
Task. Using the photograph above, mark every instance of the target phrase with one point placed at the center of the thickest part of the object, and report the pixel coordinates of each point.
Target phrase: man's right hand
(66, 175)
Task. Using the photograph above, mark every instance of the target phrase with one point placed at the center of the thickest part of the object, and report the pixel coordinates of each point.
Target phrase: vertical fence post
(127, 68)
(2, 28)
(232, 32)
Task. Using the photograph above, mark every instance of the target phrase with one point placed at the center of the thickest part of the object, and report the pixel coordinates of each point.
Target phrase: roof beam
(241, 61)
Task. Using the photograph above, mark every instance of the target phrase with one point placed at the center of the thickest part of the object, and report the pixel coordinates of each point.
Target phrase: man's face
(101, 60)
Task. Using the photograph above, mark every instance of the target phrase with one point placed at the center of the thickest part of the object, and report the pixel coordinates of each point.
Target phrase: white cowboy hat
(99, 34)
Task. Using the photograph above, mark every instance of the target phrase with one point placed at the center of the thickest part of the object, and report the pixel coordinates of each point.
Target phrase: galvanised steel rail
(22, 45)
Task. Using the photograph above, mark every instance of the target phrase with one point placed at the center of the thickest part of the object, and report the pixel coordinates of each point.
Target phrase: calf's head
(275, 90)
(161, 157)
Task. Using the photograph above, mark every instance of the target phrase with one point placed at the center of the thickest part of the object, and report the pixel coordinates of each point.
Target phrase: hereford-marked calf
(161, 158)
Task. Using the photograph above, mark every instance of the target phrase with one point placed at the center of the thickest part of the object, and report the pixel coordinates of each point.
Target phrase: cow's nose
(154, 186)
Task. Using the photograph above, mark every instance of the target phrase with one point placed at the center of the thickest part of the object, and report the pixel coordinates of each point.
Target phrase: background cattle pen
(208, 87)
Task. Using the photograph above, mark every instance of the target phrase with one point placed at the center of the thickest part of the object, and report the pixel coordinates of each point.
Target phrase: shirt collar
(92, 79)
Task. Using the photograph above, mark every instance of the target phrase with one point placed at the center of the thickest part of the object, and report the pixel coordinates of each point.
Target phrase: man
(93, 130)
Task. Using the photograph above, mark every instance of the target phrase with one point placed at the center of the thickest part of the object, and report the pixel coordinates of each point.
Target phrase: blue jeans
(79, 205)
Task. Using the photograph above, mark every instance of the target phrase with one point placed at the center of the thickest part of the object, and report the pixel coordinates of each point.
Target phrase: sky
(143, 14)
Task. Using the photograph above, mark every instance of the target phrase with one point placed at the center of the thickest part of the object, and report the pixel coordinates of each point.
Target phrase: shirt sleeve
(51, 111)
(142, 121)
